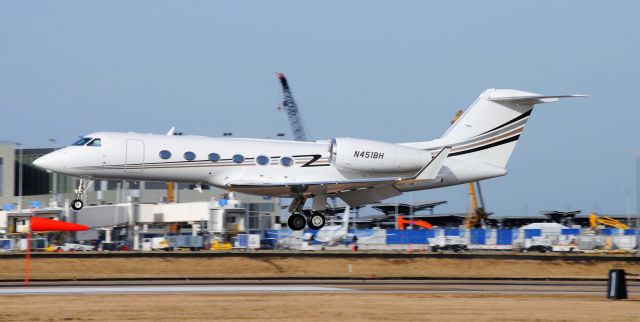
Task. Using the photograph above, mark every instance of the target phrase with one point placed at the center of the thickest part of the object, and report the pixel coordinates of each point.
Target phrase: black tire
(316, 220)
(296, 222)
(77, 204)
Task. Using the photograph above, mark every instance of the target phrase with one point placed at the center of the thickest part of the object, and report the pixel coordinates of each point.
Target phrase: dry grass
(315, 307)
(274, 267)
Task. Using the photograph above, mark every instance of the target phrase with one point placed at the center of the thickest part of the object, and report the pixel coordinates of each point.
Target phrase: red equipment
(45, 224)
(420, 223)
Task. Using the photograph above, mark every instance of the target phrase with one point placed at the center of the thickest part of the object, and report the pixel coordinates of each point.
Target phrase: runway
(311, 286)
(338, 300)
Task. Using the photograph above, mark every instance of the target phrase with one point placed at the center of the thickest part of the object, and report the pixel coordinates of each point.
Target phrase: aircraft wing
(355, 192)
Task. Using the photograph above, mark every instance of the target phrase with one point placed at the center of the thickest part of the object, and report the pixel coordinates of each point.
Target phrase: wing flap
(360, 197)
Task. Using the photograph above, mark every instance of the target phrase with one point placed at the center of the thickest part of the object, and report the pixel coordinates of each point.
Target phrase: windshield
(95, 142)
(82, 141)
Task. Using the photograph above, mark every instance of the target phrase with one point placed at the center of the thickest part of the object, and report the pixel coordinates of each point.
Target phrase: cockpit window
(82, 141)
(95, 142)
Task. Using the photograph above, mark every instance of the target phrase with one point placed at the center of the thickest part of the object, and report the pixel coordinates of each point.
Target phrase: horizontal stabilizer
(532, 99)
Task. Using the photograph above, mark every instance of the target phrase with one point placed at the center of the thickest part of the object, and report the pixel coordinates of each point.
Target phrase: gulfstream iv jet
(476, 147)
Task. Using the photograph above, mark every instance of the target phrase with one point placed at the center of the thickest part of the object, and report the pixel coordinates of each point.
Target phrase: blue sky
(384, 70)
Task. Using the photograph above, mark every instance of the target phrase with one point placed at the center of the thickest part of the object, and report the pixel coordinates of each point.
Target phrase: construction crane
(594, 221)
(290, 106)
(476, 215)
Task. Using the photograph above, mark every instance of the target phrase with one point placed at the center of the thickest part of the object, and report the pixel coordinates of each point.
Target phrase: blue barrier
(629, 232)
(242, 240)
(504, 236)
(478, 236)
(452, 232)
(606, 231)
(413, 236)
(570, 231)
(5, 244)
(528, 233)
(276, 234)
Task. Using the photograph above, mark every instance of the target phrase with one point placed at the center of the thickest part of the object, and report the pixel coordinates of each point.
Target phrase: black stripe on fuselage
(488, 146)
(201, 163)
(311, 162)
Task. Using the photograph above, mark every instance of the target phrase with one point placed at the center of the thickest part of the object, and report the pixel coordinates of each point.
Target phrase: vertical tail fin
(490, 128)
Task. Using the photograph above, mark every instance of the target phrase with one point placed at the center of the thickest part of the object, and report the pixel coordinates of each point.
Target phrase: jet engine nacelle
(375, 156)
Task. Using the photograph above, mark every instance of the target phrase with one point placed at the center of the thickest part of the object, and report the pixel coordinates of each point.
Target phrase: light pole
(638, 192)
(627, 195)
(54, 175)
(20, 166)
(638, 202)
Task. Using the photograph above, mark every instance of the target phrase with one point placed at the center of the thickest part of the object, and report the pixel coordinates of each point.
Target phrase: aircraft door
(134, 159)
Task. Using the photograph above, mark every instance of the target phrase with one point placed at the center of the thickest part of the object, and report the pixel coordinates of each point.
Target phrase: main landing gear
(297, 221)
(299, 218)
(83, 186)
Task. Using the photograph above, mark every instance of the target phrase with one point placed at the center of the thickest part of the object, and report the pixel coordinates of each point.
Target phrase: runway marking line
(165, 289)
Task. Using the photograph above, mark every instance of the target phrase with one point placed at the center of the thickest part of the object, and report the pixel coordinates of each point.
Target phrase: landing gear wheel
(296, 222)
(77, 204)
(83, 186)
(315, 220)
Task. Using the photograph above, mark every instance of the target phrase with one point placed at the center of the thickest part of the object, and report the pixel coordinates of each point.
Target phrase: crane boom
(295, 121)
(594, 220)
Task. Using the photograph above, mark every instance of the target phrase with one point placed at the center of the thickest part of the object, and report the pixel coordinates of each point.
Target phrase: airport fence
(497, 238)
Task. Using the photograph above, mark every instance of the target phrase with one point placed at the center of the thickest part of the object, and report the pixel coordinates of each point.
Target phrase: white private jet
(476, 147)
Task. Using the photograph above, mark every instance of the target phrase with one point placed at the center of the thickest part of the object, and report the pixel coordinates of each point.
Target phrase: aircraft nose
(49, 162)
(43, 162)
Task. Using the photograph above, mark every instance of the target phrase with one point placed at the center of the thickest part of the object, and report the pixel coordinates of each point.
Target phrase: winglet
(171, 131)
(430, 171)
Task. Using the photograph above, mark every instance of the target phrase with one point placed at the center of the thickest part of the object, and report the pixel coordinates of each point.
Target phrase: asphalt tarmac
(311, 286)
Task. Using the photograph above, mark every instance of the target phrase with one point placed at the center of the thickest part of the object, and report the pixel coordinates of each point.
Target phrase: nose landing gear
(83, 186)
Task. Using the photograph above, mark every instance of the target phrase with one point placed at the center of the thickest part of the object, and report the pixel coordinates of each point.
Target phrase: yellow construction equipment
(594, 221)
(476, 215)
(457, 116)
(170, 191)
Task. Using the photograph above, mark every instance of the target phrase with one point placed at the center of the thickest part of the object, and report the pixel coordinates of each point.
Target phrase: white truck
(170, 243)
